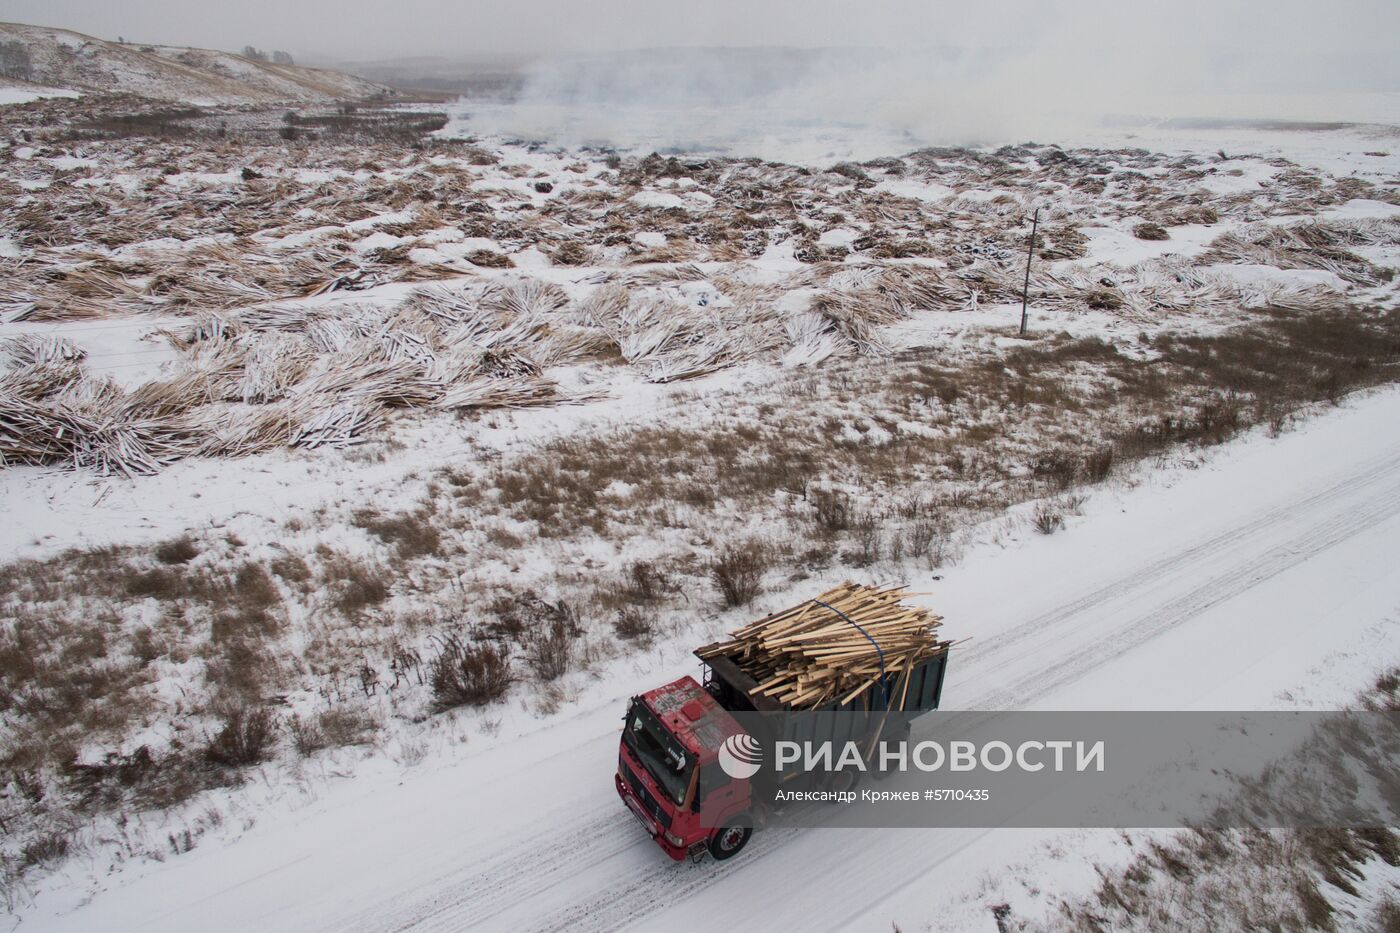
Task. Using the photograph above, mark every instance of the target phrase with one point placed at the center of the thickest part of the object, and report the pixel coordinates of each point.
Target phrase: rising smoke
(1105, 64)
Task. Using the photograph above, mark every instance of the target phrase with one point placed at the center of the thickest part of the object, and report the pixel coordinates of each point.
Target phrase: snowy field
(1292, 583)
(279, 423)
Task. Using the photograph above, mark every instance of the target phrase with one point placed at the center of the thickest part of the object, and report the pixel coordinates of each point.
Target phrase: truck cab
(669, 776)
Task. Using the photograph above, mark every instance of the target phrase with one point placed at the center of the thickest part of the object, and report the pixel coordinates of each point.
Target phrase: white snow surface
(1120, 247)
(23, 94)
(1264, 575)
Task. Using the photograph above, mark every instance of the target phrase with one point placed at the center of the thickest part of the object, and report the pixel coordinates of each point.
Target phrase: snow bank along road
(1213, 588)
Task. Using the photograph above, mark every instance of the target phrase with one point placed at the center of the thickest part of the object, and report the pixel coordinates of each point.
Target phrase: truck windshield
(658, 751)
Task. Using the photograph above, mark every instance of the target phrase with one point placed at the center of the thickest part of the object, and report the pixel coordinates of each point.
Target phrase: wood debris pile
(832, 648)
(279, 376)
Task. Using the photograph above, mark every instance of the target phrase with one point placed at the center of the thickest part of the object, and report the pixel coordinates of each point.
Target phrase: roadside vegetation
(1286, 880)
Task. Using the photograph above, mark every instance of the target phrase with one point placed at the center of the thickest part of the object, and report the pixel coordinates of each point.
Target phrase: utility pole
(1030, 252)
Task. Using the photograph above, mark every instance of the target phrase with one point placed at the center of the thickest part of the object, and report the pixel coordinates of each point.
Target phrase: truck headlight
(674, 840)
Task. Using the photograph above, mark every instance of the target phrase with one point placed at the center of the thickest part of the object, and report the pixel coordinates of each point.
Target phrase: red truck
(668, 771)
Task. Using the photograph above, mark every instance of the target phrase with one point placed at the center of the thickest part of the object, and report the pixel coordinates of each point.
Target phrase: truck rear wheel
(729, 839)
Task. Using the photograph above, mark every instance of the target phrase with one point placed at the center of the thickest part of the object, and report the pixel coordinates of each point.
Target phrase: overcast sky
(1279, 30)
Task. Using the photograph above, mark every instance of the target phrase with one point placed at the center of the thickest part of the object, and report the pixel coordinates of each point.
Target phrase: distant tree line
(15, 61)
(258, 55)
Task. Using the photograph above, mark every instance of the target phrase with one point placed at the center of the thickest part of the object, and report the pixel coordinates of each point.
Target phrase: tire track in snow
(1215, 591)
(1376, 471)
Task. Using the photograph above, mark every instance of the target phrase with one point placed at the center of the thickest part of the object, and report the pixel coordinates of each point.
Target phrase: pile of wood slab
(832, 648)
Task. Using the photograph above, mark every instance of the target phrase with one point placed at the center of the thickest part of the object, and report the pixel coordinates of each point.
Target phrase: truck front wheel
(730, 839)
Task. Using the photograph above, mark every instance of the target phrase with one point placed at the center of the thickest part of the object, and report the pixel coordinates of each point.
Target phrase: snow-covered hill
(59, 58)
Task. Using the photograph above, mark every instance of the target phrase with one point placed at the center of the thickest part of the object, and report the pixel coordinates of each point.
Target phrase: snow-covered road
(1274, 565)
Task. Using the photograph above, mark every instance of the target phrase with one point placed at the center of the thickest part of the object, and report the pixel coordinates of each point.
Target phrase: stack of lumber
(813, 654)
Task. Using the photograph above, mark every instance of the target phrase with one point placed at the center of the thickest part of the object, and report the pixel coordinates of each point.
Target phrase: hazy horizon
(626, 72)
(1292, 45)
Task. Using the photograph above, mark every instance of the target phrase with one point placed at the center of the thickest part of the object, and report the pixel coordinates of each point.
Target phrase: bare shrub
(244, 739)
(48, 848)
(411, 754)
(345, 726)
(504, 538)
(1386, 694)
(469, 675)
(634, 625)
(550, 652)
(738, 569)
(869, 539)
(832, 510)
(1047, 518)
(930, 538)
(643, 582)
(1098, 464)
(921, 535)
(1215, 421)
(307, 735)
(1219, 419)
(1240, 878)
(1059, 467)
(139, 777)
(549, 699)
(1278, 419)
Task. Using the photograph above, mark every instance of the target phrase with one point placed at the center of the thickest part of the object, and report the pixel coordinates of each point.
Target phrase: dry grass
(331, 728)
(357, 586)
(411, 536)
(1288, 880)
(1047, 518)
